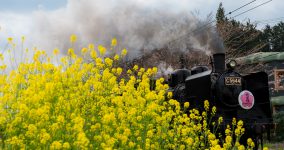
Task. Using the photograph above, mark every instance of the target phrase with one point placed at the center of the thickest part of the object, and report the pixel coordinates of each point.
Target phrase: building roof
(261, 57)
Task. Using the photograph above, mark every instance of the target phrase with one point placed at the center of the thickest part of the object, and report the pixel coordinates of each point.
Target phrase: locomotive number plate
(233, 81)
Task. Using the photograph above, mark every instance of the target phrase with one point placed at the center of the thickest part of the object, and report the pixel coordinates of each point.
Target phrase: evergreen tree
(220, 16)
(278, 37)
(239, 38)
(266, 38)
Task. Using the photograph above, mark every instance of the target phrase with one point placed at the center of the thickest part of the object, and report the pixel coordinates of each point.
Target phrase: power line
(209, 23)
(226, 15)
(240, 8)
(239, 13)
(252, 8)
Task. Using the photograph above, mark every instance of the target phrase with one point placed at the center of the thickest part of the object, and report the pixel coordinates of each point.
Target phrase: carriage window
(279, 79)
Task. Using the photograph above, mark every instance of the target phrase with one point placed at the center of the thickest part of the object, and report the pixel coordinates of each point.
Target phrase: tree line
(244, 38)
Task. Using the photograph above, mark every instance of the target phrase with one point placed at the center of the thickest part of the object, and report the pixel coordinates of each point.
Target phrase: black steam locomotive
(245, 97)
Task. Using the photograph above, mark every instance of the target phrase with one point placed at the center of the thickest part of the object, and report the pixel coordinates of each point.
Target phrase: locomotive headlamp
(231, 64)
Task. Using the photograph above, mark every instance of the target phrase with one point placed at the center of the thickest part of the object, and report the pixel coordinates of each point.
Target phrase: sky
(44, 22)
(27, 6)
(269, 11)
(13, 10)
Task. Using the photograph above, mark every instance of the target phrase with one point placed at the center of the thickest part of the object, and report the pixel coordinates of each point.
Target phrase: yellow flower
(124, 52)
(220, 120)
(60, 119)
(1, 57)
(182, 147)
(32, 130)
(82, 140)
(142, 70)
(102, 50)
(94, 104)
(116, 57)
(70, 51)
(91, 46)
(240, 123)
(135, 68)
(108, 62)
(139, 118)
(129, 71)
(227, 131)
(213, 110)
(150, 133)
(186, 104)
(189, 141)
(249, 141)
(155, 70)
(241, 147)
(23, 39)
(265, 148)
(113, 42)
(170, 95)
(55, 51)
(93, 54)
(66, 145)
(84, 50)
(10, 40)
(234, 121)
(206, 105)
(73, 38)
(131, 144)
(119, 71)
(228, 139)
(56, 145)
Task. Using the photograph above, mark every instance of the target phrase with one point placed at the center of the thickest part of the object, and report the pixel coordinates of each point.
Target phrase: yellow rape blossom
(113, 42)
(95, 104)
(73, 38)
(119, 71)
(1, 57)
(206, 105)
(186, 104)
(102, 50)
(116, 57)
(55, 51)
(23, 39)
(10, 40)
(84, 50)
(135, 68)
(56, 145)
(124, 52)
(66, 145)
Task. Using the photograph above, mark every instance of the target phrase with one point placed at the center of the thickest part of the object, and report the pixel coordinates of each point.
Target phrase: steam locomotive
(245, 97)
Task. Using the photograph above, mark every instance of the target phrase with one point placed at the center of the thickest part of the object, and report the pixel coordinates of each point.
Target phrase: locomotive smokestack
(219, 62)
(182, 61)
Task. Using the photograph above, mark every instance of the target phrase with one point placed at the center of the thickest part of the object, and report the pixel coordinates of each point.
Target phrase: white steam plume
(136, 25)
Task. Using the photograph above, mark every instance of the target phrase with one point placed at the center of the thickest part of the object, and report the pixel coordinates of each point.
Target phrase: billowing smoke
(136, 26)
(164, 69)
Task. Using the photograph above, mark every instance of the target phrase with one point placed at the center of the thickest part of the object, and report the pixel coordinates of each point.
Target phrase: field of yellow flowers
(95, 104)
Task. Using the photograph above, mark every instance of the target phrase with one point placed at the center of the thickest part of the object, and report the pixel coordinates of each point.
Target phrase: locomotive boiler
(245, 97)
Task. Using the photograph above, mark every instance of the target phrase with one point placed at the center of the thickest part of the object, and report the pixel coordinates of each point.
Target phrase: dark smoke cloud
(136, 26)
